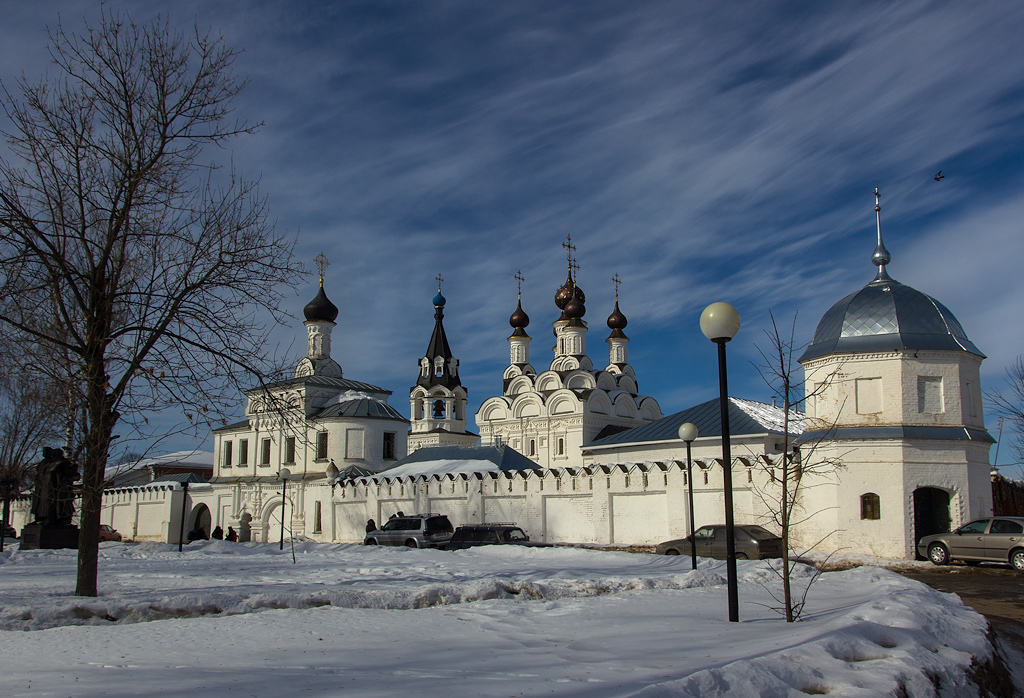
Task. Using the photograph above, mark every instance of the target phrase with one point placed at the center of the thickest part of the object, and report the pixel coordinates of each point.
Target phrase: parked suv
(488, 534)
(752, 542)
(417, 531)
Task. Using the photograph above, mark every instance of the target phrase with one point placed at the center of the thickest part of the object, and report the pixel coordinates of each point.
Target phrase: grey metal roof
(926, 433)
(362, 407)
(745, 417)
(329, 382)
(504, 457)
(887, 315)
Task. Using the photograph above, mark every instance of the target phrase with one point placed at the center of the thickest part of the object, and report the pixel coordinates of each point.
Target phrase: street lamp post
(283, 473)
(8, 485)
(184, 512)
(720, 322)
(688, 432)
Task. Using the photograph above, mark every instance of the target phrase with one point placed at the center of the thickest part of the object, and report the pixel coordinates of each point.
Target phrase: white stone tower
(899, 405)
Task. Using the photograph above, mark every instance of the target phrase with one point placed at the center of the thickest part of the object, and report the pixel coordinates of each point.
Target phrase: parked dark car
(10, 531)
(109, 533)
(993, 539)
(418, 531)
(490, 534)
(752, 543)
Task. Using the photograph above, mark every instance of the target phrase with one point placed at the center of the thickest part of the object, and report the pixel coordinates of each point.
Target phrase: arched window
(533, 447)
(561, 447)
(870, 506)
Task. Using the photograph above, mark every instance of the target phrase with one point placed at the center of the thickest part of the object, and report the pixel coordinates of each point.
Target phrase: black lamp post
(8, 485)
(720, 322)
(688, 432)
(184, 512)
(283, 473)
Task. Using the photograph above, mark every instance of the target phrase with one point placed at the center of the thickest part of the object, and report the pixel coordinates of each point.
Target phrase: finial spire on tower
(321, 265)
(440, 280)
(519, 283)
(881, 257)
(617, 281)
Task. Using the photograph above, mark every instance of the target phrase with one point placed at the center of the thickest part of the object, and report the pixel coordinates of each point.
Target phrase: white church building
(575, 454)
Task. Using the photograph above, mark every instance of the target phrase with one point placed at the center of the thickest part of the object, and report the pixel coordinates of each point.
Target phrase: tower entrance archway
(931, 512)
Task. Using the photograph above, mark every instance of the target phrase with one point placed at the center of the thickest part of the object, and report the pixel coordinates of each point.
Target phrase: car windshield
(975, 527)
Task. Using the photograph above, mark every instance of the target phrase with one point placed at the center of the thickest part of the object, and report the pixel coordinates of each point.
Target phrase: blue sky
(701, 151)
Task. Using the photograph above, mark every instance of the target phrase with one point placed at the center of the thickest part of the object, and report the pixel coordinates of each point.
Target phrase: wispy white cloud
(701, 152)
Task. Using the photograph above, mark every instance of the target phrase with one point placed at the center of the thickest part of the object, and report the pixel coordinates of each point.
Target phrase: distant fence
(1007, 497)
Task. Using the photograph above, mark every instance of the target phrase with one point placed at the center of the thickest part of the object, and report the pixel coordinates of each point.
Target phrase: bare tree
(797, 469)
(1009, 404)
(149, 274)
(30, 417)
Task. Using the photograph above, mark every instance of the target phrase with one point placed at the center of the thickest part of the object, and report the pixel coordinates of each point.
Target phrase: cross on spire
(616, 280)
(440, 280)
(574, 268)
(519, 283)
(321, 265)
(569, 249)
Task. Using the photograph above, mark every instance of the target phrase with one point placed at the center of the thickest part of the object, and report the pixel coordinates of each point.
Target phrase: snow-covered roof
(178, 459)
(438, 460)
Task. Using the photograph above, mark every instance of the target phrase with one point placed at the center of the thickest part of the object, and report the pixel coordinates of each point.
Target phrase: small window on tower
(389, 445)
(870, 506)
(289, 449)
(243, 452)
(321, 445)
(227, 454)
(265, 452)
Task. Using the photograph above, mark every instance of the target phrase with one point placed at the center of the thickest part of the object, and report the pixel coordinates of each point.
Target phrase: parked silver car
(417, 531)
(752, 542)
(994, 539)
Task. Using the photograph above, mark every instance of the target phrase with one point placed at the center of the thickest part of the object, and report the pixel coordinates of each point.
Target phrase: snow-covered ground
(243, 620)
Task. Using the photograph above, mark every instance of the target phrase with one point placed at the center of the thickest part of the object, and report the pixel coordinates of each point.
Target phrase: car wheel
(371, 541)
(1017, 559)
(411, 543)
(938, 554)
(741, 556)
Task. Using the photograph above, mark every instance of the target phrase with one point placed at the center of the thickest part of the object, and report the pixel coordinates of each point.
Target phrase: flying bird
(938, 175)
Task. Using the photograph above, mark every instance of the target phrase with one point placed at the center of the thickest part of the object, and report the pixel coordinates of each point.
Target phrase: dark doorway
(931, 512)
(201, 519)
(245, 528)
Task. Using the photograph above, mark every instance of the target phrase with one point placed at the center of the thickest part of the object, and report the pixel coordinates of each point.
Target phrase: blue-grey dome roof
(887, 315)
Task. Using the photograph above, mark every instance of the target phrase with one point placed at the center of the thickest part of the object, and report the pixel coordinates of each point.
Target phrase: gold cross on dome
(569, 248)
(321, 265)
(616, 280)
(519, 282)
(440, 280)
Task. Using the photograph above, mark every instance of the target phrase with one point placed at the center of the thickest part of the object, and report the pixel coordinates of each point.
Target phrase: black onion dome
(616, 321)
(574, 309)
(564, 293)
(320, 308)
(519, 319)
(887, 315)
